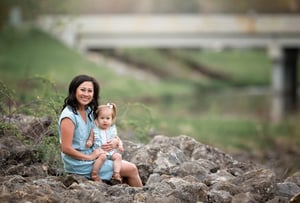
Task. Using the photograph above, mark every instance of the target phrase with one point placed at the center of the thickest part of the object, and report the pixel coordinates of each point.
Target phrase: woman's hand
(95, 154)
(110, 145)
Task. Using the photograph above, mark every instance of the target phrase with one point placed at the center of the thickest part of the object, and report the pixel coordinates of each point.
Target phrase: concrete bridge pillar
(284, 82)
(15, 17)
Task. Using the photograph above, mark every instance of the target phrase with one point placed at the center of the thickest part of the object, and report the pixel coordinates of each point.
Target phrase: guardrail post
(284, 81)
(277, 108)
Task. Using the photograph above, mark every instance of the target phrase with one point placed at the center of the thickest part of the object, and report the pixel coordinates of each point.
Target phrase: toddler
(105, 130)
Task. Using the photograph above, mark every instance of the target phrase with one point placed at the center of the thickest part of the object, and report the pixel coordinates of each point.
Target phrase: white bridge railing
(209, 31)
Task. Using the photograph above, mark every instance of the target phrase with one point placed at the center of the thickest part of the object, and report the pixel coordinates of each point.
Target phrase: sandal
(95, 177)
(116, 179)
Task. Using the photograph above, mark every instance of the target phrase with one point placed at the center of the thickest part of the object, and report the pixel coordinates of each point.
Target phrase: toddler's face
(105, 118)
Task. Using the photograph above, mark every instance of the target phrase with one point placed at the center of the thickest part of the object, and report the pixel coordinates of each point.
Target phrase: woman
(75, 124)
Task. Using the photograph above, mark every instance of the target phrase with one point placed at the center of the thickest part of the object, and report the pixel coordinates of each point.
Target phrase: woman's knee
(129, 168)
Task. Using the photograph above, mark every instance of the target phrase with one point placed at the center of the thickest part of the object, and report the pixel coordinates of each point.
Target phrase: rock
(295, 198)
(173, 169)
(295, 178)
(287, 189)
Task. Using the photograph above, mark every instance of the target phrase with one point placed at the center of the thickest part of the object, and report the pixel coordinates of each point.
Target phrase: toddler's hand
(120, 148)
(88, 144)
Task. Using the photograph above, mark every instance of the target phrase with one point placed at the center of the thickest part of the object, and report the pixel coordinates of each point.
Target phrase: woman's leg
(131, 173)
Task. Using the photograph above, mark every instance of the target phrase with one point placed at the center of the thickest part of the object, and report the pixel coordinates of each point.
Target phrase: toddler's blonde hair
(111, 106)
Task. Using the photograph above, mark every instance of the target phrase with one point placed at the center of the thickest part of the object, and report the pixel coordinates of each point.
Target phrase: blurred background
(202, 68)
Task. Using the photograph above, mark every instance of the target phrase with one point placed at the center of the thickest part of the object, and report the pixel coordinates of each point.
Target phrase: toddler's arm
(120, 145)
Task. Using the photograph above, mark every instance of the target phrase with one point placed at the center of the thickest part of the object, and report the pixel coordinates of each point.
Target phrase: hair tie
(109, 105)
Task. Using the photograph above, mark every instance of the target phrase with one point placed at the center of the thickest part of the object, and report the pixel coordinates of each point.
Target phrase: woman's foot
(95, 177)
(116, 179)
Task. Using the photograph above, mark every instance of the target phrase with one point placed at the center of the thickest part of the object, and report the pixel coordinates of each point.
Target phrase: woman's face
(85, 93)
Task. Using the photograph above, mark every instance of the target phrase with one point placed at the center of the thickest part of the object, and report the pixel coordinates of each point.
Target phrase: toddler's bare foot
(95, 177)
(116, 179)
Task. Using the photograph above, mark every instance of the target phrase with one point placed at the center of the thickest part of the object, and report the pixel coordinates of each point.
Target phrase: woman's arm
(110, 145)
(67, 131)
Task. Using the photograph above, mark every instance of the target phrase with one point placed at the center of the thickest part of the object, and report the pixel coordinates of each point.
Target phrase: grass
(37, 66)
(30, 53)
(245, 66)
(252, 59)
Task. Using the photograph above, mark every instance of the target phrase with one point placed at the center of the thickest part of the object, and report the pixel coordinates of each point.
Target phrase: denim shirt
(81, 134)
(82, 128)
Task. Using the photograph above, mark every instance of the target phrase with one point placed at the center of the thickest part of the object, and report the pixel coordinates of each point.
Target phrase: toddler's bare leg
(117, 158)
(97, 165)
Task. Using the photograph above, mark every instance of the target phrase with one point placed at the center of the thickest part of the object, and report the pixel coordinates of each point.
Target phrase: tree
(30, 9)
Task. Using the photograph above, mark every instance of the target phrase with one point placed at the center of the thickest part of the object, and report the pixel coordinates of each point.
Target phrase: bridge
(278, 34)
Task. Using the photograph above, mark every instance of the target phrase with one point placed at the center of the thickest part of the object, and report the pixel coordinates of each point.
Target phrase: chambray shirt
(81, 134)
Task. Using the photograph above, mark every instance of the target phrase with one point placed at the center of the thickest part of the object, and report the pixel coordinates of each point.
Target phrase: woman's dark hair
(71, 100)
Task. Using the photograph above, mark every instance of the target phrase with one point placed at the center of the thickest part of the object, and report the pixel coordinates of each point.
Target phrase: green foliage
(31, 8)
(48, 151)
(47, 104)
(135, 120)
(7, 129)
(6, 99)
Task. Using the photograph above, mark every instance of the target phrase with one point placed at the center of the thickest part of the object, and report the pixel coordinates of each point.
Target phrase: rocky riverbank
(173, 169)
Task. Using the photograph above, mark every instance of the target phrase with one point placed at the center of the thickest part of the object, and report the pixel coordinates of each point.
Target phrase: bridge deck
(176, 30)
